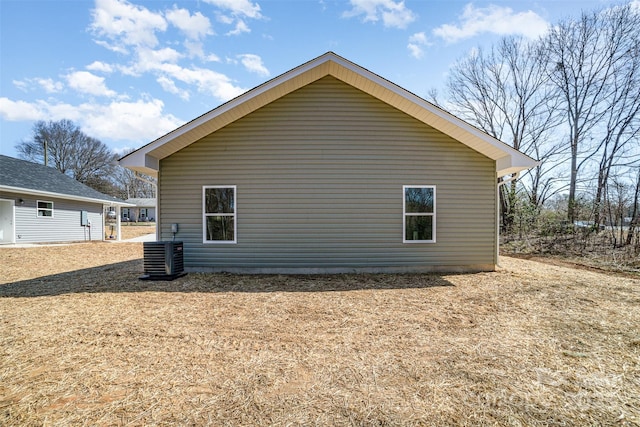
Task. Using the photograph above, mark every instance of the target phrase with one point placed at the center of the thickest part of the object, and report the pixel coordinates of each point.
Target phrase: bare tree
(64, 146)
(620, 127)
(616, 195)
(134, 184)
(583, 57)
(505, 93)
(635, 210)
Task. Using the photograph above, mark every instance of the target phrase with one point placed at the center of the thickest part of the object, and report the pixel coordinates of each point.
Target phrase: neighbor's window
(419, 214)
(219, 207)
(45, 209)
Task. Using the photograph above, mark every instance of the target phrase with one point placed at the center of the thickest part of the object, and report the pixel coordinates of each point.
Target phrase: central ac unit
(163, 260)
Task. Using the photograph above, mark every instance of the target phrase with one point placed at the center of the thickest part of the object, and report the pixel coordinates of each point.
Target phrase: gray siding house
(329, 168)
(143, 210)
(39, 204)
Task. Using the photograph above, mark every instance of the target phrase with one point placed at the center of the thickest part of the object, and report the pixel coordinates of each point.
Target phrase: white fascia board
(141, 159)
(19, 190)
(514, 163)
(472, 132)
(141, 162)
(146, 159)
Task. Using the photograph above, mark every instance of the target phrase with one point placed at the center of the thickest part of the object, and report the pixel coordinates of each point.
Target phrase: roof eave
(20, 190)
(514, 163)
(142, 162)
(146, 160)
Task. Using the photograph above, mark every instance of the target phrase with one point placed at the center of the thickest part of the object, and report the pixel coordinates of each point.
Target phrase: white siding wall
(319, 176)
(63, 227)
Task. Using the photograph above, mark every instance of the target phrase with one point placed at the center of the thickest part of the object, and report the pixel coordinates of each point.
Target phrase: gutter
(63, 196)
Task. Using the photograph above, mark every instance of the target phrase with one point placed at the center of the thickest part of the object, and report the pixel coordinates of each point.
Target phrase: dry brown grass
(531, 345)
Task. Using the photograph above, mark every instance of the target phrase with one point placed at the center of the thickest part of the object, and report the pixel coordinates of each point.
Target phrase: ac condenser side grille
(163, 260)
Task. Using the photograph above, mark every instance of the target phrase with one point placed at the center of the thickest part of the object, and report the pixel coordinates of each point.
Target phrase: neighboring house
(329, 168)
(40, 204)
(144, 210)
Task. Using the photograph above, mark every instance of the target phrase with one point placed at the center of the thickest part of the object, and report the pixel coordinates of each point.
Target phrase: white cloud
(207, 81)
(393, 13)
(236, 11)
(212, 58)
(100, 66)
(416, 45)
(112, 47)
(126, 24)
(195, 49)
(121, 151)
(254, 64)
(149, 60)
(16, 111)
(169, 85)
(241, 27)
(88, 83)
(492, 19)
(23, 85)
(142, 120)
(195, 26)
(238, 7)
(164, 63)
(49, 85)
(224, 19)
(133, 121)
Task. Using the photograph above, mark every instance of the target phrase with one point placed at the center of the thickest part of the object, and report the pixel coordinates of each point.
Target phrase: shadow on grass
(124, 277)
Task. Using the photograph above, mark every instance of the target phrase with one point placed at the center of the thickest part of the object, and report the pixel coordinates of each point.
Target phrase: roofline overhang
(146, 159)
(510, 165)
(30, 192)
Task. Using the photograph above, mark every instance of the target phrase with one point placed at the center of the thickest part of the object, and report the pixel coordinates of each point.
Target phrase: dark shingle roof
(36, 177)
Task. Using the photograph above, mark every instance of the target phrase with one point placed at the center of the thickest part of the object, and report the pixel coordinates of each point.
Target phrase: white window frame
(38, 209)
(405, 214)
(234, 215)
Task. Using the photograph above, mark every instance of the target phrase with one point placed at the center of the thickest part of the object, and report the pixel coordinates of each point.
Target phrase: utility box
(163, 260)
(84, 218)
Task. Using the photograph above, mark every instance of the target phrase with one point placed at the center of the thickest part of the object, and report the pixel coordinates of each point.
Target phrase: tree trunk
(634, 214)
(571, 208)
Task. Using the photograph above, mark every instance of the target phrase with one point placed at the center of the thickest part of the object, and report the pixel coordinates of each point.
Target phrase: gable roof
(147, 159)
(21, 176)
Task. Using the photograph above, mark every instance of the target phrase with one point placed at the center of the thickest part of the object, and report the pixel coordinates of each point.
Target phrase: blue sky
(128, 72)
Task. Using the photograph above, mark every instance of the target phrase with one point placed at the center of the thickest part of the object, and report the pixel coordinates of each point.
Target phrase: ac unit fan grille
(163, 260)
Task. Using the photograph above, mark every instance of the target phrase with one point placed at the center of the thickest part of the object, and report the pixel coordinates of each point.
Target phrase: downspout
(500, 184)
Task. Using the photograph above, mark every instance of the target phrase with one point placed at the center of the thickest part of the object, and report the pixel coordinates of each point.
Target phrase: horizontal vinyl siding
(319, 176)
(64, 226)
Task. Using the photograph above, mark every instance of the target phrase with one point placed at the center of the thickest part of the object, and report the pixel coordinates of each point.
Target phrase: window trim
(39, 209)
(405, 214)
(234, 215)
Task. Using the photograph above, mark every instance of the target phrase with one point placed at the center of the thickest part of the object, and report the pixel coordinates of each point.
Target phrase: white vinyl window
(419, 213)
(219, 214)
(45, 209)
